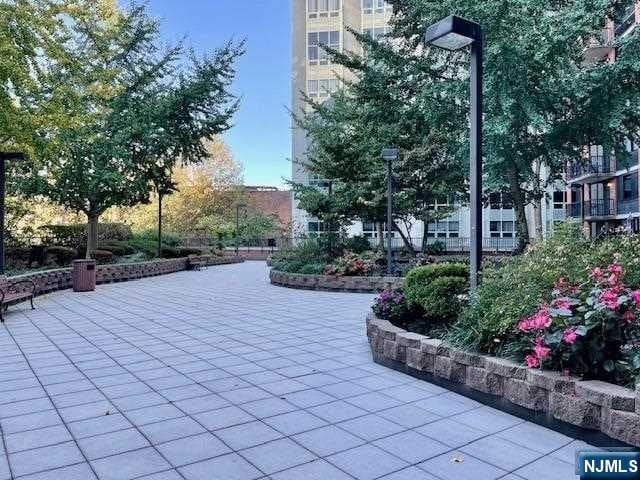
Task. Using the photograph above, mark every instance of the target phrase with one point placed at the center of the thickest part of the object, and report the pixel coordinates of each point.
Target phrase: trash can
(84, 275)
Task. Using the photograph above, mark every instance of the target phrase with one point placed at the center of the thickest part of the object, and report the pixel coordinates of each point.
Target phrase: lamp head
(453, 33)
(390, 154)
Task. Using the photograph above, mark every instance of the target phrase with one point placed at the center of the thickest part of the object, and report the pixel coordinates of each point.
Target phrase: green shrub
(358, 244)
(186, 251)
(439, 300)
(74, 235)
(310, 251)
(169, 239)
(420, 276)
(170, 252)
(103, 256)
(60, 255)
(312, 268)
(436, 248)
(118, 248)
(517, 286)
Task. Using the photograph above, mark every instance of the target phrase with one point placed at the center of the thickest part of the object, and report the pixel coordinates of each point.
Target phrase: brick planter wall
(590, 405)
(333, 283)
(60, 279)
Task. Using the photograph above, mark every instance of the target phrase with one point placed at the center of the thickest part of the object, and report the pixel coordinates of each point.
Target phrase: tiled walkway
(218, 375)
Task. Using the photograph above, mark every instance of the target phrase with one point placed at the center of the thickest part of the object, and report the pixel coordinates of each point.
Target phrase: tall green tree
(134, 110)
(543, 103)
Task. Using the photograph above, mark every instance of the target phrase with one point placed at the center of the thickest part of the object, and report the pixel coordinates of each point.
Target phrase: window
(498, 200)
(377, 6)
(316, 181)
(315, 53)
(370, 229)
(322, 88)
(312, 88)
(501, 229)
(376, 33)
(316, 226)
(443, 229)
(323, 8)
(629, 187)
(559, 200)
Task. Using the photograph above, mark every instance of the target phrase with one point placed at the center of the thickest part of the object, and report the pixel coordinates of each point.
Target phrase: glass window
(559, 200)
(312, 8)
(312, 41)
(312, 88)
(367, 6)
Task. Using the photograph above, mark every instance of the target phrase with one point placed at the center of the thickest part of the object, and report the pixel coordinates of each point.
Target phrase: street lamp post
(238, 207)
(454, 33)
(390, 155)
(5, 156)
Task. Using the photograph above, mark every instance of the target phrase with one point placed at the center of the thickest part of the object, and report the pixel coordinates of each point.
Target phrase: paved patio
(218, 375)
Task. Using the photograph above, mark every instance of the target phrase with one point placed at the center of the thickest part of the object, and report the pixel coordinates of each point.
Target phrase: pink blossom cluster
(540, 352)
(538, 321)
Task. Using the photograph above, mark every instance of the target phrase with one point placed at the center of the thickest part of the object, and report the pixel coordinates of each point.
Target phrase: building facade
(603, 190)
(316, 22)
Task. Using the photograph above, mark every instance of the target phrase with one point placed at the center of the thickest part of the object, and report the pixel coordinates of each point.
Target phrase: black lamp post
(5, 156)
(238, 207)
(454, 33)
(390, 155)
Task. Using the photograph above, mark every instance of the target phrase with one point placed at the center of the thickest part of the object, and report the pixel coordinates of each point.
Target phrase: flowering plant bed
(552, 397)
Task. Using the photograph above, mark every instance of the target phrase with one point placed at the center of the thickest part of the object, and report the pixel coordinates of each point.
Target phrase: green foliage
(61, 256)
(75, 235)
(168, 238)
(357, 244)
(517, 286)
(436, 248)
(392, 305)
(103, 257)
(307, 255)
(421, 276)
(312, 269)
(351, 265)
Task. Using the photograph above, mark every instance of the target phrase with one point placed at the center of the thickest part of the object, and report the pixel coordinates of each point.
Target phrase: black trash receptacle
(84, 275)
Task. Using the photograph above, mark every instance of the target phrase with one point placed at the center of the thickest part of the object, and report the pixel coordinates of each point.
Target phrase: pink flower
(538, 321)
(596, 273)
(615, 269)
(541, 350)
(532, 361)
(613, 279)
(628, 316)
(562, 303)
(635, 296)
(609, 297)
(569, 336)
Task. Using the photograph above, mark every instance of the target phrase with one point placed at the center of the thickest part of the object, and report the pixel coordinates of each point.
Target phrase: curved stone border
(550, 396)
(62, 278)
(334, 283)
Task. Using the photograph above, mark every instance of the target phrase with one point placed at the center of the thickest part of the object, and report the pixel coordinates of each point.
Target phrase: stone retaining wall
(334, 283)
(60, 279)
(591, 405)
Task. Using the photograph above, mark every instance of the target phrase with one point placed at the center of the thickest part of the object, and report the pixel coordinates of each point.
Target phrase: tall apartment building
(318, 22)
(604, 190)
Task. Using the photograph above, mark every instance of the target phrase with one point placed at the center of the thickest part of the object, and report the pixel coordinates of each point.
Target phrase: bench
(197, 263)
(15, 292)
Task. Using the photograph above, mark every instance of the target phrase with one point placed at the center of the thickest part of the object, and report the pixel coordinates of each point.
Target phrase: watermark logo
(620, 464)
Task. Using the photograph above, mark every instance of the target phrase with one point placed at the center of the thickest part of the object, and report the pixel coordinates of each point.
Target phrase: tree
(543, 104)
(395, 100)
(134, 111)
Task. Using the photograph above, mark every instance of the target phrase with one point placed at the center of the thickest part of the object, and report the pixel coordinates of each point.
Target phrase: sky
(260, 138)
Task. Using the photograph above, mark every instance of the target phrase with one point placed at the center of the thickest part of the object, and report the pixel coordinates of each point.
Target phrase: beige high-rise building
(317, 22)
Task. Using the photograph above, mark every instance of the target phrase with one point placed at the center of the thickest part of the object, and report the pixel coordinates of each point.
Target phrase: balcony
(597, 166)
(628, 206)
(602, 207)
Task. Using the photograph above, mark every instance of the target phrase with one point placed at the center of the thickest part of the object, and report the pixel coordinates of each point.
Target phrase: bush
(119, 248)
(103, 256)
(358, 244)
(310, 251)
(312, 268)
(517, 286)
(392, 305)
(170, 252)
(436, 248)
(351, 265)
(434, 292)
(168, 239)
(590, 329)
(187, 251)
(59, 255)
(74, 235)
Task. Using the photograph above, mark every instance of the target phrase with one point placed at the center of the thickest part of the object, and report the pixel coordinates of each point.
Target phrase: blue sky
(261, 137)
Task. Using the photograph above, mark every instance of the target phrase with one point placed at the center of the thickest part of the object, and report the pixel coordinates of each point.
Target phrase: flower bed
(553, 397)
(62, 278)
(334, 283)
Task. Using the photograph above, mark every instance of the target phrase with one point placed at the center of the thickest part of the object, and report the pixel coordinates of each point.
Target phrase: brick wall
(333, 283)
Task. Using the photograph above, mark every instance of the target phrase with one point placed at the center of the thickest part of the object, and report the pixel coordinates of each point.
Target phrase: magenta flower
(609, 297)
(541, 350)
(596, 274)
(569, 336)
(615, 269)
(628, 316)
(538, 321)
(635, 296)
(532, 361)
(563, 303)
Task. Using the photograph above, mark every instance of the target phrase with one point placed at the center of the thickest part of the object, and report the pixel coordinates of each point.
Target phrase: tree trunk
(519, 206)
(380, 228)
(537, 203)
(92, 234)
(405, 239)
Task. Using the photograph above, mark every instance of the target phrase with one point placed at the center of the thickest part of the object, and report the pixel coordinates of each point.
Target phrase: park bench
(197, 263)
(15, 292)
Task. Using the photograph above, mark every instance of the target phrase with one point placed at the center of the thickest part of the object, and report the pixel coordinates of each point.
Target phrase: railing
(628, 206)
(597, 165)
(603, 207)
(453, 244)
